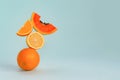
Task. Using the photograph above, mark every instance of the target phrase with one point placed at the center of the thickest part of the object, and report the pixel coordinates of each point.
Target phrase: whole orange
(28, 59)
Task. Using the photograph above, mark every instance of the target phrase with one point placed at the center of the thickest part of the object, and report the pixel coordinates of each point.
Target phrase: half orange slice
(35, 40)
(25, 29)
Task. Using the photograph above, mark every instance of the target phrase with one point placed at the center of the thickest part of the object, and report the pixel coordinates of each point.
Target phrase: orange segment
(35, 40)
(25, 29)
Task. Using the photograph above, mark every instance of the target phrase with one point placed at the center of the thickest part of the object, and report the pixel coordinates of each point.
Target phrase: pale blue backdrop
(85, 47)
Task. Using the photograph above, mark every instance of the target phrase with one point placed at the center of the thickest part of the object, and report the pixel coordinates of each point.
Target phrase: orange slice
(26, 29)
(35, 40)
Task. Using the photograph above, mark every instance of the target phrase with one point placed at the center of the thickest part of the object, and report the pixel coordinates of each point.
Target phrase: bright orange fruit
(35, 40)
(43, 28)
(25, 29)
(28, 59)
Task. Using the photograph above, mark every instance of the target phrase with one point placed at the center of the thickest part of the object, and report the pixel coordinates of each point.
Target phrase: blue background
(85, 47)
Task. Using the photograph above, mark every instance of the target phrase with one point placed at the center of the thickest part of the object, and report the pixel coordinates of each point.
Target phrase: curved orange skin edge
(35, 27)
(25, 34)
(28, 59)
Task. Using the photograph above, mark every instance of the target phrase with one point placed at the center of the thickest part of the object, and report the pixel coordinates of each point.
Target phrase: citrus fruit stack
(29, 58)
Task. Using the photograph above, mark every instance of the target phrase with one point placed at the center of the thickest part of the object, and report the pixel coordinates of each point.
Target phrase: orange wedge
(35, 40)
(25, 29)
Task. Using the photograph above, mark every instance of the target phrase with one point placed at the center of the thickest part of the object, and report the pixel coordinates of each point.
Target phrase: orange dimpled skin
(28, 59)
